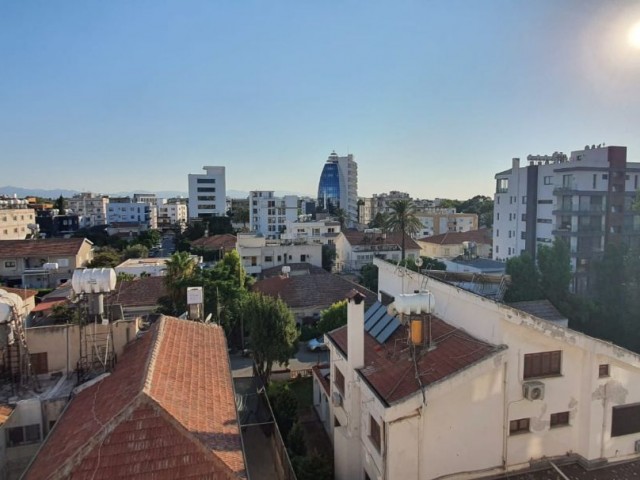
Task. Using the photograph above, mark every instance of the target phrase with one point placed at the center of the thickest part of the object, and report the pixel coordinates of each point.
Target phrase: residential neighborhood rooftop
(167, 411)
(42, 247)
(140, 291)
(375, 238)
(482, 235)
(224, 241)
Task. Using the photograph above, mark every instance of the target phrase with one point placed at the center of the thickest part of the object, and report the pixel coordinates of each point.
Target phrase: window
(23, 435)
(519, 426)
(497, 233)
(339, 381)
(545, 202)
(497, 216)
(547, 180)
(594, 181)
(605, 176)
(39, 363)
(206, 189)
(544, 364)
(559, 419)
(497, 249)
(524, 200)
(625, 420)
(544, 220)
(524, 217)
(603, 370)
(268, 258)
(9, 263)
(523, 235)
(206, 180)
(374, 433)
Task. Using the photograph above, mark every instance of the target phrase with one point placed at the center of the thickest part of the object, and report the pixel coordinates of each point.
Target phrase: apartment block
(91, 208)
(123, 210)
(207, 193)
(269, 214)
(304, 229)
(172, 212)
(585, 199)
(15, 219)
(436, 221)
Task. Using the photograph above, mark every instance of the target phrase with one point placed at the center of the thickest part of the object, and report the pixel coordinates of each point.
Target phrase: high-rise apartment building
(207, 193)
(585, 199)
(338, 186)
(269, 214)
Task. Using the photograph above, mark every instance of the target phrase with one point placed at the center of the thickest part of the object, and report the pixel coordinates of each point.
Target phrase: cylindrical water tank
(94, 280)
(7, 302)
(408, 303)
(416, 331)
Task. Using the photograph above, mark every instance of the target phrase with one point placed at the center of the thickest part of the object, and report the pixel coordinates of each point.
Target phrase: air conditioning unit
(336, 399)
(637, 446)
(533, 390)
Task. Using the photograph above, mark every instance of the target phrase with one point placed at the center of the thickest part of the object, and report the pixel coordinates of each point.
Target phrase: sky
(431, 97)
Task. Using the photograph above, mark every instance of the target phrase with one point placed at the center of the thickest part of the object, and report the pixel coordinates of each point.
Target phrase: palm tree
(180, 267)
(403, 219)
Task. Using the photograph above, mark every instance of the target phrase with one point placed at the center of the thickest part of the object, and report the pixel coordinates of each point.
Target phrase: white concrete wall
(215, 189)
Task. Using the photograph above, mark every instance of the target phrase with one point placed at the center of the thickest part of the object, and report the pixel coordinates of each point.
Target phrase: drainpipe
(604, 421)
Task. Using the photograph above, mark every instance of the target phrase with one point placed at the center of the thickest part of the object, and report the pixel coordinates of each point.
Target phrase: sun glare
(634, 35)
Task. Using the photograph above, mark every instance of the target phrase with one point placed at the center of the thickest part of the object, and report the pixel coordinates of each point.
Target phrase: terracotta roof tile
(139, 292)
(362, 238)
(46, 247)
(5, 412)
(303, 291)
(21, 292)
(216, 242)
(389, 372)
(482, 235)
(167, 411)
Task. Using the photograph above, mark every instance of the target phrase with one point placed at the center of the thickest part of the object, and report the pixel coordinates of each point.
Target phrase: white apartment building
(123, 210)
(305, 230)
(172, 212)
(15, 219)
(449, 384)
(269, 214)
(208, 193)
(584, 199)
(91, 208)
(257, 254)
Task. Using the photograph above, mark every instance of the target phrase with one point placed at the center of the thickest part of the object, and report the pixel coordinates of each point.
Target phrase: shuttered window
(543, 364)
(339, 381)
(625, 419)
(374, 433)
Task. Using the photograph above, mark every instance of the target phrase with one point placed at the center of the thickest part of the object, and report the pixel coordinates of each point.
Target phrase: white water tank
(408, 303)
(94, 280)
(7, 302)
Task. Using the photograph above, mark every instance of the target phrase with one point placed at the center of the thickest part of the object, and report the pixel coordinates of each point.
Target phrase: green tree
(333, 317)
(180, 271)
(341, 217)
(59, 205)
(273, 332)
(148, 238)
(403, 219)
(428, 263)
(525, 279)
(554, 264)
(328, 257)
(380, 220)
(106, 257)
(369, 277)
(125, 277)
(313, 467)
(296, 442)
(136, 251)
(284, 405)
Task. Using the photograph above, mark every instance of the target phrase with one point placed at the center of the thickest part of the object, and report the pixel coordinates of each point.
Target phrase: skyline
(431, 98)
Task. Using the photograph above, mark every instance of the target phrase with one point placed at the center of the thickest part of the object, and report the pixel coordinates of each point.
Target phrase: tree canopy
(403, 219)
(273, 332)
(525, 279)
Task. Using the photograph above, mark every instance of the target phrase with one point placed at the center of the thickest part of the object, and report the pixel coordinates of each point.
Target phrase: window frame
(338, 381)
(559, 419)
(604, 370)
(543, 371)
(623, 423)
(518, 426)
(375, 433)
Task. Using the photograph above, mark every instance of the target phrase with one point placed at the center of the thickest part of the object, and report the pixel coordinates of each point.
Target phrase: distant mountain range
(22, 192)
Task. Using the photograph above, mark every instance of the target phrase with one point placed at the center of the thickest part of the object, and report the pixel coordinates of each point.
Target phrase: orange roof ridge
(153, 355)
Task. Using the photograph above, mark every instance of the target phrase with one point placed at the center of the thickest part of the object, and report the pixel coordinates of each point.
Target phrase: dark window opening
(625, 420)
(544, 364)
(559, 419)
(519, 426)
(603, 370)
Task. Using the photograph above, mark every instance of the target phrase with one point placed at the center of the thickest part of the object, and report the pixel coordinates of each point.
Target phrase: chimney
(515, 164)
(355, 329)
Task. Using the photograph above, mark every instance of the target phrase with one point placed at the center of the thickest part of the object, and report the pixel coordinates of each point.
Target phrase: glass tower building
(338, 187)
(329, 187)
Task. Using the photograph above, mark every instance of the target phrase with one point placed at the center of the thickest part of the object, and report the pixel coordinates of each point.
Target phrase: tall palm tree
(402, 218)
(180, 267)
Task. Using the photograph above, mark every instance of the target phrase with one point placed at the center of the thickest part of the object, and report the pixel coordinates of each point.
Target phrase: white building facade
(304, 230)
(207, 193)
(541, 393)
(125, 211)
(91, 208)
(172, 212)
(584, 199)
(15, 219)
(257, 254)
(269, 214)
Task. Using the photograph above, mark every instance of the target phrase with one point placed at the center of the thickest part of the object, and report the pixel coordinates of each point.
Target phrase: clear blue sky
(432, 98)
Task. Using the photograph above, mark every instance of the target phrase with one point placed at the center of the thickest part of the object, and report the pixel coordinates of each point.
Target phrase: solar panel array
(379, 323)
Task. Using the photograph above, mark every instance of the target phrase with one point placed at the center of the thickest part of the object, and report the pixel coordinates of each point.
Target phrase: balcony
(581, 210)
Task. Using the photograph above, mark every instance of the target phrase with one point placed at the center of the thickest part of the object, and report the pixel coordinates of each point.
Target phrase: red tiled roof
(167, 411)
(216, 242)
(393, 377)
(21, 292)
(304, 291)
(44, 247)
(139, 292)
(47, 305)
(362, 238)
(322, 378)
(482, 235)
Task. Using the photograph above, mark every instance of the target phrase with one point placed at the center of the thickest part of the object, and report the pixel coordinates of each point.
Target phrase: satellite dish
(418, 261)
